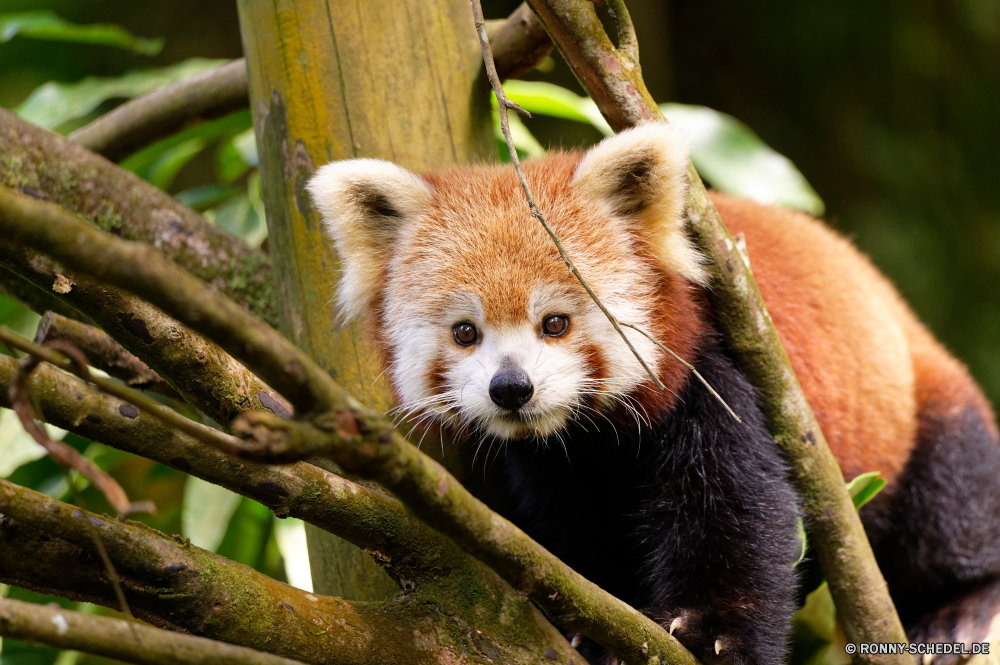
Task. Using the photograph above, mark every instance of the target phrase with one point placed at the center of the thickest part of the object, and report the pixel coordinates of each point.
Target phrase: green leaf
(230, 125)
(725, 151)
(864, 487)
(46, 25)
(208, 196)
(52, 104)
(734, 160)
(244, 214)
(18, 318)
(163, 171)
(552, 100)
(206, 512)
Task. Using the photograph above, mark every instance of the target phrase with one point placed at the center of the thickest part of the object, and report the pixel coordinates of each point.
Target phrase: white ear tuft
(364, 203)
(640, 174)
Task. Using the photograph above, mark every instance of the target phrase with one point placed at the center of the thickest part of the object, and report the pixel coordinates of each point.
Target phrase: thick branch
(520, 44)
(123, 640)
(207, 377)
(47, 166)
(172, 584)
(856, 584)
(159, 114)
(146, 272)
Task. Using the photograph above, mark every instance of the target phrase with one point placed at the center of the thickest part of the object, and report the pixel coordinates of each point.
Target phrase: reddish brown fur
(850, 338)
(498, 262)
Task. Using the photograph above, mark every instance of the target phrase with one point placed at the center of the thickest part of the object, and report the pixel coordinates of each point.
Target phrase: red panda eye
(555, 326)
(465, 333)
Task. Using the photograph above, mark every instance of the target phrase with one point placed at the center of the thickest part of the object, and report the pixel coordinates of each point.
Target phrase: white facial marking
(439, 379)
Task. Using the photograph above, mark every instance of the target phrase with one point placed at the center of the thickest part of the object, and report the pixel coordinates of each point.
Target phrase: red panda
(659, 496)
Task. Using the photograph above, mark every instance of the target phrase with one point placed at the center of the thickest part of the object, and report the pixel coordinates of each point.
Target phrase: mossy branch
(363, 515)
(206, 376)
(857, 586)
(46, 166)
(122, 640)
(102, 352)
(170, 583)
(142, 121)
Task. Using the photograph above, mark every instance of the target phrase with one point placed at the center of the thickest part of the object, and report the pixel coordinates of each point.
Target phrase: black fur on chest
(693, 514)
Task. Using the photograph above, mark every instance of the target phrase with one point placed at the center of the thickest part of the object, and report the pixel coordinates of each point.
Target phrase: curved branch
(101, 351)
(520, 44)
(208, 378)
(49, 167)
(172, 584)
(123, 640)
(142, 121)
(856, 584)
(365, 516)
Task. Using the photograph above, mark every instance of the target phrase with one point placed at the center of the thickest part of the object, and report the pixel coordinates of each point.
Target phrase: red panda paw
(702, 633)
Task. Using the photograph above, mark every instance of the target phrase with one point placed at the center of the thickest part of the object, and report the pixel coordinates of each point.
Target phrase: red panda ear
(640, 174)
(364, 204)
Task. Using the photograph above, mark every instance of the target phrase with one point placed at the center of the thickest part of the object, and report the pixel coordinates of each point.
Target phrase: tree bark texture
(335, 80)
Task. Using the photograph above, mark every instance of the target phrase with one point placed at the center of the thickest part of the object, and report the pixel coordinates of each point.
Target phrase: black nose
(511, 388)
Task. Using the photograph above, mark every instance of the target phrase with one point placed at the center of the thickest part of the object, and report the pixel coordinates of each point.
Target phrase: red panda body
(660, 497)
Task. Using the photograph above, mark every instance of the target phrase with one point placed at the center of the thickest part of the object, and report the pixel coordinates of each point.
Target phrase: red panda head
(482, 325)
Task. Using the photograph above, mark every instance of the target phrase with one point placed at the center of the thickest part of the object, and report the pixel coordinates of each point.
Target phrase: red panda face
(483, 326)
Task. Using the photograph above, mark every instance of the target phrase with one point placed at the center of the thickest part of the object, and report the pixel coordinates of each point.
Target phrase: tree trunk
(329, 79)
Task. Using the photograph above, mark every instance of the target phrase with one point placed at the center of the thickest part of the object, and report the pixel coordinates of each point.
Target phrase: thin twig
(102, 352)
(688, 365)
(63, 454)
(140, 122)
(504, 104)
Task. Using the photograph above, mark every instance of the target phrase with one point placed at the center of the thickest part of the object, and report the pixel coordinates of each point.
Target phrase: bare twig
(206, 376)
(159, 114)
(690, 367)
(855, 581)
(505, 104)
(207, 435)
(328, 501)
